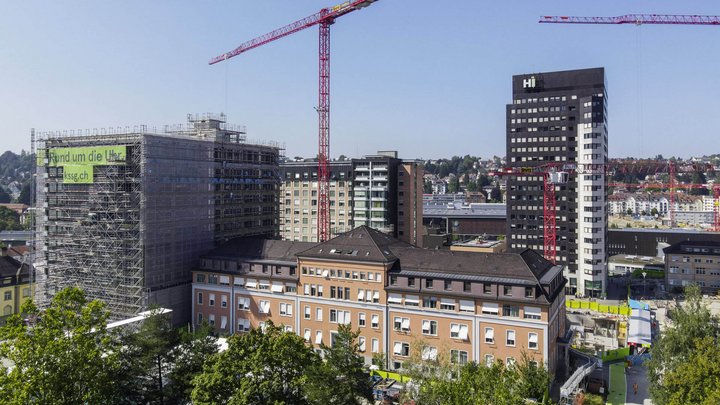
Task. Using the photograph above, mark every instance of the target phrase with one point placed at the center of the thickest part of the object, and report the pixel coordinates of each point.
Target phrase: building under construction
(125, 214)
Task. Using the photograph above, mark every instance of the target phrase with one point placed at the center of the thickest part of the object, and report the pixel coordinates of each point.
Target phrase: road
(637, 374)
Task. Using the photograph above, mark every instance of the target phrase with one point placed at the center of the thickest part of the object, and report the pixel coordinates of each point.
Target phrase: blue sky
(428, 78)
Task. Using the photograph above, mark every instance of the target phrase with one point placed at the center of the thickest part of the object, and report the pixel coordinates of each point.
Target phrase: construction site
(125, 213)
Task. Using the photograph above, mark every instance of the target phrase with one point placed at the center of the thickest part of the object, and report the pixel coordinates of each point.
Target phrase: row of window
(342, 274)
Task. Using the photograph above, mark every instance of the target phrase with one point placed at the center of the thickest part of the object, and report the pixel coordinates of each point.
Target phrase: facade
(126, 216)
(649, 242)
(15, 285)
(560, 119)
(625, 265)
(469, 306)
(696, 262)
(380, 191)
(465, 219)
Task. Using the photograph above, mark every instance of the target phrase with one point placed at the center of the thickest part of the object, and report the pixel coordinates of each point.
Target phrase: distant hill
(16, 176)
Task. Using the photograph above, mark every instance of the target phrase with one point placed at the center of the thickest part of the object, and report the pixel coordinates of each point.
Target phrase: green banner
(87, 156)
(77, 174)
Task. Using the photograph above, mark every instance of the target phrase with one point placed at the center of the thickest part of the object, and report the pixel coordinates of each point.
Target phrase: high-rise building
(379, 191)
(126, 215)
(560, 118)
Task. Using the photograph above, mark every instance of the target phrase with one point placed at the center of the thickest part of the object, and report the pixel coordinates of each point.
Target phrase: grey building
(560, 119)
(126, 216)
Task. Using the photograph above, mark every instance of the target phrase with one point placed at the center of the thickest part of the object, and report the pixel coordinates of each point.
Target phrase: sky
(427, 78)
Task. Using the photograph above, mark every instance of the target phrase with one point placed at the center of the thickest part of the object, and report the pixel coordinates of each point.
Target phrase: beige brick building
(469, 306)
(693, 262)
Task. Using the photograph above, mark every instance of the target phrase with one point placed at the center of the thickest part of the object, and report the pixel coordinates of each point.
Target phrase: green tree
(427, 187)
(495, 194)
(26, 193)
(697, 380)
(347, 381)
(4, 196)
(472, 186)
(654, 212)
(189, 358)
(148, 354)
(270, 367)
(454, 185)
(64, 355)
(674, 350)
(9, 220)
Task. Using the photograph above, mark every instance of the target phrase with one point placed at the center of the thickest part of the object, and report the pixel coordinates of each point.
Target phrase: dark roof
(361, 244)
(260, 249)
(686, 246)
(9, 266)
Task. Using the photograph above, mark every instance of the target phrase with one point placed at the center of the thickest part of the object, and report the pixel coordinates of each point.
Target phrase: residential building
(560, 119)
(126, 216)
(380, 191)
(693, 262)
(15, 284)
(476, 306)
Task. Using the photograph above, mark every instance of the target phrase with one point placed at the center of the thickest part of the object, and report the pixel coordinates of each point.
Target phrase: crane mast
(324, 18)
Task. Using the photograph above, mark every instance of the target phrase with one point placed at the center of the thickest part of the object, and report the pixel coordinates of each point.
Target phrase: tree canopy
(681, 369)
(63, 355)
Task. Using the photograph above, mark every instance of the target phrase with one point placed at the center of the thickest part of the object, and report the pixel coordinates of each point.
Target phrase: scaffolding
(131, 235)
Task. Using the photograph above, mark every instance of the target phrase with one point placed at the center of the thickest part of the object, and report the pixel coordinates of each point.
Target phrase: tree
(495, 194)
(148, 355)
(26, 194)
(189, 358)
(454, 185)
(4, 196)
(654, 212)
(629, 211)
(674, 350)
(472, 186)
(343, 369)
(63, 355)
(483, 181)
(270, 367)
(427, 187)
(9, 220)
(697, 380)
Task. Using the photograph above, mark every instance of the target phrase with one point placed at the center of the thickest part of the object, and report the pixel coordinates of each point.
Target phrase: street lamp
(644, 291)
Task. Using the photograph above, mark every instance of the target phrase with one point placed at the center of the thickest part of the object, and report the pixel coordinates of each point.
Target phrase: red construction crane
(637, 19)
(553, 174)
(324, 18)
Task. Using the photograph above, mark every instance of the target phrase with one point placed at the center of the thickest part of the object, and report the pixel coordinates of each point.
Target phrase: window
(200, 278)
(375, 346)
(489, 360)
(244, 304)
(318, 337)
(429, 327)
(487, 289)
(306, 335)
(467, 306)
(429, 353)
(200, 318)
(489, 336)
(411, 281)
(285, 309)
(338, 316)
(429, 283)
(531, 313)
(211, 301)
(401, 324)
(532, 340)
(393, 279)
(459, 357)
(211, 319)
(529, 292)
(200, 297)
(447, 304)
(361, 319)
(447, 285)
(510, 338)
(243, 325)
(510, 362)
(511, 310)
(318, 314)
(467, 286)
(412, 300)
(374, 321)
(458, 331)
(490, 308)
(401, 349)
(264, 307)
(429, 302)
(223, 301)
(507, 290)
(361, 343)
(306, 311)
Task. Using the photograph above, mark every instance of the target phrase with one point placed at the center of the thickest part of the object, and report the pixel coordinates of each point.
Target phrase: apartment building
(380, 191)
(693, 262)
(468, 306)
(559, 119)
(15, 284)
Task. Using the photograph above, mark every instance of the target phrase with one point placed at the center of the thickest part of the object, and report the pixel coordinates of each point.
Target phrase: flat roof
(488, 210)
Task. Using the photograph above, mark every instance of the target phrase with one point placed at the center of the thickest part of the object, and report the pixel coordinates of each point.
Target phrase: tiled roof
(260, 249)
(361, 244)
(10, 266)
